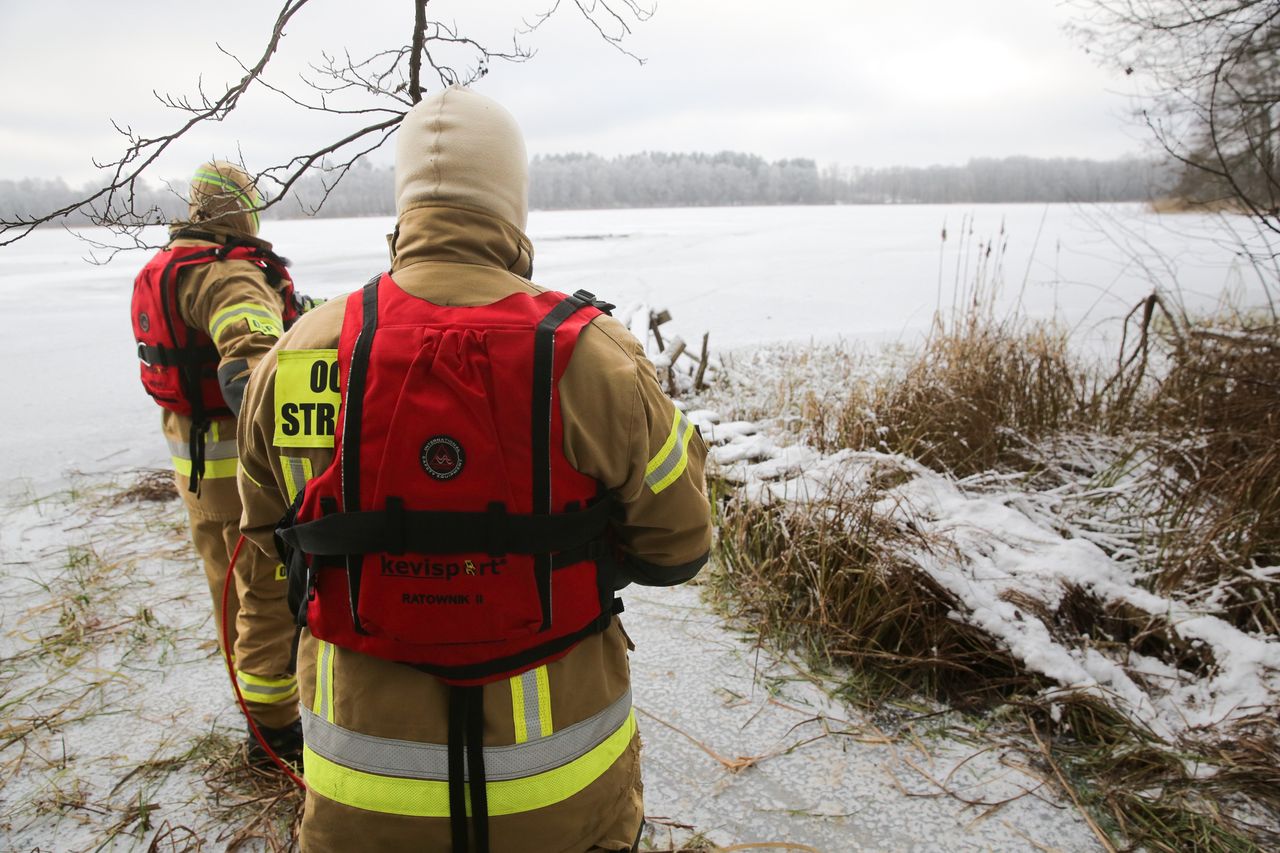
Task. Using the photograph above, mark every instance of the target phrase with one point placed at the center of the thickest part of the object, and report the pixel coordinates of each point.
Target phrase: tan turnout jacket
(235, 305)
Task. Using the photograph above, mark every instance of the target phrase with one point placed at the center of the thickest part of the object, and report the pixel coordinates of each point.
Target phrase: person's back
(560, 750)
(205, 310)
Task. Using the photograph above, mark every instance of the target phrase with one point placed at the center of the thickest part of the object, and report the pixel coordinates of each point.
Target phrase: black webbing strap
(466, 737)
(352, 421)
(158, 356)
(544, 352)
(188, 371)
(475, 766)
(457, 772)
(396, 530)
(195, 450)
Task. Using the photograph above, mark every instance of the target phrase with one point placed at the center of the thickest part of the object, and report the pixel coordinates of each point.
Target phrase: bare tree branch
(1211, 73)
(415, 55)
(381, 88)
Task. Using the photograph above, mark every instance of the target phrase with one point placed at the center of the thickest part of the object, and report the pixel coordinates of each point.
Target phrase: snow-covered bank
(1008, 542)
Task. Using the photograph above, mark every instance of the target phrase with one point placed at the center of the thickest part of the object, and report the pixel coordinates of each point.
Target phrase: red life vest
(179, 364)
(450, 531)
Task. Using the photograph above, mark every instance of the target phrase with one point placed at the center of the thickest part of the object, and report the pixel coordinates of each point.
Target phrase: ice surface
(746, 275)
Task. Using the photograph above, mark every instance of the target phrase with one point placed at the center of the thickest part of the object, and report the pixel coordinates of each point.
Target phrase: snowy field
(744, 747)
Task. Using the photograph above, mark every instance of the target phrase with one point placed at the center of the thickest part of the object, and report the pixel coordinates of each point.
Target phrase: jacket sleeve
(621, 429)
(270, 476)
(241, 312)
(262, 500)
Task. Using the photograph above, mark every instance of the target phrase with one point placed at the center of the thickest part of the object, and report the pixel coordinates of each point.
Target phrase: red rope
(235, 682)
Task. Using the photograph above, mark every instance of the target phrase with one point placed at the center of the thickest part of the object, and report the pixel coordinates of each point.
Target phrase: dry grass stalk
(253, 804)
(149, 485)
(977, 392)
(1155, 794)
(828, 577)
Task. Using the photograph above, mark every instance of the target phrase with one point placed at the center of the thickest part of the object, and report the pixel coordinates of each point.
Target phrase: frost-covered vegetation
(1089, 553)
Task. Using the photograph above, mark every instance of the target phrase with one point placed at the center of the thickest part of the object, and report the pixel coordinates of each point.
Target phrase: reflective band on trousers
(214, 469)
(224, 449)
(531, 704)
(411, 778)
(266, 691)
(220, 457)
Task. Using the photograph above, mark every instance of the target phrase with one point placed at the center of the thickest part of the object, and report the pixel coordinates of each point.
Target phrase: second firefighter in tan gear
(232, 301)
(560, 741)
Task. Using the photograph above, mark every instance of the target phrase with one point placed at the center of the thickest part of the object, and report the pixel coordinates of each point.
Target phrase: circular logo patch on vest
(442, 457)
(144, 322)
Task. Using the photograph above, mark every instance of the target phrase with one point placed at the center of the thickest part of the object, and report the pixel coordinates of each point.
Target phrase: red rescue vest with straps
(450, 531)
(178, 363)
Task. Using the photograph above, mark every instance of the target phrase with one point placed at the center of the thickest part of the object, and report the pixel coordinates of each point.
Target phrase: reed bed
(1181, 485)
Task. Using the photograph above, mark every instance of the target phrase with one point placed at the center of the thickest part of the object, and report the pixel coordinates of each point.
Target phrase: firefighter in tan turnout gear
(471, 467)
(206, 309)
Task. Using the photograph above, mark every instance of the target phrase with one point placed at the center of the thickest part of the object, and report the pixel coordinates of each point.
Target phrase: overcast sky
(840, 81)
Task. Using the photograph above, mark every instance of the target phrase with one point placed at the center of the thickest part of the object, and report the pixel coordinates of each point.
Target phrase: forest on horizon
(661, 179)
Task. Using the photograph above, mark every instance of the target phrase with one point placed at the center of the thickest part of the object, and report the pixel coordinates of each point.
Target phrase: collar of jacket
(187, 233)
(436, 233)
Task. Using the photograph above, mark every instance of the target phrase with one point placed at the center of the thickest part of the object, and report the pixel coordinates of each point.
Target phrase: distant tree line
(680, 180)
(656, 179)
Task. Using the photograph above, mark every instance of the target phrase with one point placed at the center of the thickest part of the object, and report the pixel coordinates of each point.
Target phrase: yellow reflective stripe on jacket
(531, 704)
(297, 473)
(266, 691)
(669, 462)
(214, 469)
(261, 320)
(323, 704)
(401, 777)
(248, 200)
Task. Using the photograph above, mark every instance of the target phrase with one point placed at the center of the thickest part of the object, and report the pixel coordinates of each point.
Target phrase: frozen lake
(872, 274)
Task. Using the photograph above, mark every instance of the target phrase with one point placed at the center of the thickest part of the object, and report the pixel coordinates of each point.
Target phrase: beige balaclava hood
(461, 149)
(224, 197)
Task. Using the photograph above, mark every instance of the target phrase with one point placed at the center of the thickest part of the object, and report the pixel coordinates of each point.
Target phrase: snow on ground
(110, 681)
(112, 689)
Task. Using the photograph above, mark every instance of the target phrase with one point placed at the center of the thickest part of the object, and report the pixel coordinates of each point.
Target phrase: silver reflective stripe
(532, 697)
(296, 471)
(430, 761)
(322, 683)
(225, 449)
(674, 456)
